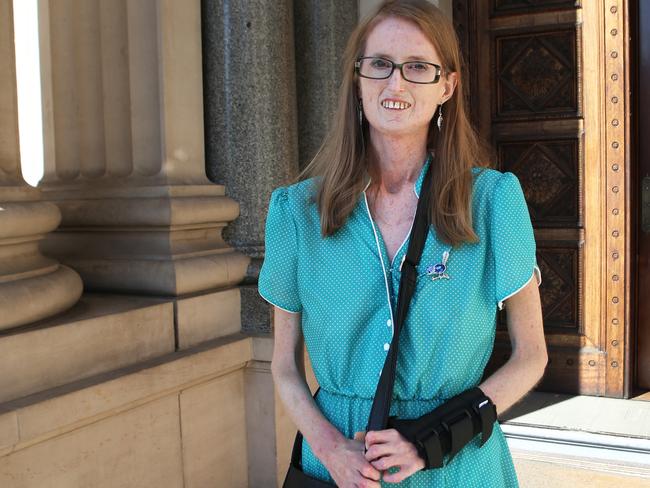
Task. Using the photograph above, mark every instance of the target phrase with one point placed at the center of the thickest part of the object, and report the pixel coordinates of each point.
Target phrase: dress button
(389, 322)
(386, 346)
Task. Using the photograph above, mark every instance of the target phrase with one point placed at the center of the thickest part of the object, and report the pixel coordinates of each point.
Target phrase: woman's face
(399, 40)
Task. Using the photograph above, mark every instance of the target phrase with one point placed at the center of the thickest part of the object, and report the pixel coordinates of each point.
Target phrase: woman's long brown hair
(344, 158)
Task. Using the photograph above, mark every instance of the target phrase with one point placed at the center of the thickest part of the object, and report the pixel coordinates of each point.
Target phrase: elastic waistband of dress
(349, 397)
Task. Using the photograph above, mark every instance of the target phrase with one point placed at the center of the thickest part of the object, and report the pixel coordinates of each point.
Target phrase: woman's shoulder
(485, 176)
(496, 192)
(487, 181)
(296, 197)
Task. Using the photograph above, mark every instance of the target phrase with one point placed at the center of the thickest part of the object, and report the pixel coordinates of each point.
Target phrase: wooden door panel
(536, 73)
(550, 172)
(526, 75)
(560, 264)
(509, 7)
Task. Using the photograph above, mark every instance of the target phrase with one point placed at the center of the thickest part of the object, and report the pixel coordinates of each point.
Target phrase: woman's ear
(450, 81)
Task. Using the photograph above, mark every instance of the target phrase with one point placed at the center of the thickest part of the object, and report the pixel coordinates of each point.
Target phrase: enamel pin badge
(439, 271)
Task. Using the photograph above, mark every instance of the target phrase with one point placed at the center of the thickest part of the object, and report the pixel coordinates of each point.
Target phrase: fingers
(369, 472)
(391, 450)
(381, 436)
(348, 466)
(378, 450)
(387, 462)
(388, 449)
(355, 471)
(406, 465)
(387, 442)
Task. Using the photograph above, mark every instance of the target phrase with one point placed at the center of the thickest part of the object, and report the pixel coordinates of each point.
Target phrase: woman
(334, 243)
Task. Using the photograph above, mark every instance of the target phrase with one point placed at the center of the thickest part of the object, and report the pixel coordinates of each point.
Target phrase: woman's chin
(398, 128)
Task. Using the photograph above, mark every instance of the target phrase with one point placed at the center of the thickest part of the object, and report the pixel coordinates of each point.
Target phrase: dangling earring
(440, 118)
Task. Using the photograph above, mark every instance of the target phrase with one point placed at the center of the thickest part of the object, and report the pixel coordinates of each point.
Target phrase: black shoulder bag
(379, 413)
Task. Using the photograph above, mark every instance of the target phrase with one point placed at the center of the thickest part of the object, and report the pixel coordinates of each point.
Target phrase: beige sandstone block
(213, 427)
(260, 425)
(8, 429)
(207, 316)
(139, 448)
(538, 474)
(262, 347)
(100, 333)
(65, 408)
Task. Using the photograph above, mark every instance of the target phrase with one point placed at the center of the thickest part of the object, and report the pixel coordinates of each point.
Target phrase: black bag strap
(378, 418)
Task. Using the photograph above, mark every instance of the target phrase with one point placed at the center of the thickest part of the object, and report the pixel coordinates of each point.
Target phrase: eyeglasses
(413, 71)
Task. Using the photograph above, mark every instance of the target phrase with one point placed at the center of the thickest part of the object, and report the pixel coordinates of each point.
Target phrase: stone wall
(176, 420)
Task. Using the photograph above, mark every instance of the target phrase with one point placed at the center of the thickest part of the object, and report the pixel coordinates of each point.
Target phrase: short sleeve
(512, 239)
(278, 280)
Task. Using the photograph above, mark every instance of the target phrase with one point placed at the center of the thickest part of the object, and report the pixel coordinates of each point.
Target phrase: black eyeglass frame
(357, 69)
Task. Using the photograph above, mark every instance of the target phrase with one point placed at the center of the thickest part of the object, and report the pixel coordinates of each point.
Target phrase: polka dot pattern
(346, 288)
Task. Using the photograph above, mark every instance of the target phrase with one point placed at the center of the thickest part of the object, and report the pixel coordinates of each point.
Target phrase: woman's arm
(288, 371)
(343, 457)
(526, 365)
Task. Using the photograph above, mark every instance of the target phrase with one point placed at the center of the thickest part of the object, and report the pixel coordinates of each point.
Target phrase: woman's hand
(348, 466)
(389, 449)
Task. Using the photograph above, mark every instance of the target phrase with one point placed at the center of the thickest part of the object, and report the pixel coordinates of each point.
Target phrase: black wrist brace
(448, 428)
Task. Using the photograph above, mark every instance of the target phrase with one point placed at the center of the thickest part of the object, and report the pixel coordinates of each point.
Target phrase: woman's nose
(396, 81)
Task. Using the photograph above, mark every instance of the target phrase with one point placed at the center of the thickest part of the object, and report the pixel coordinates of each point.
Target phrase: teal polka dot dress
(346, 290)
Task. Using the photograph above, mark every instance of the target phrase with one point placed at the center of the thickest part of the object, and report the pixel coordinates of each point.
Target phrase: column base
(152, 245)
(31, 299)
(32, 287)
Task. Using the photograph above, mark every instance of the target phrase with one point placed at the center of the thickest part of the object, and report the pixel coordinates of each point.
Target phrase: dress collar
(417, 187)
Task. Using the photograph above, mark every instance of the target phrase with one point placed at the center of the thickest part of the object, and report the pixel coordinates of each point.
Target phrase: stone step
(540, 474)
(564, 458)
(100, 333)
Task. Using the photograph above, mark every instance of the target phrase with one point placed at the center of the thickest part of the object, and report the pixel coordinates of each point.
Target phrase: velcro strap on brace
(461, 430)
(430, 449)
(448, 428)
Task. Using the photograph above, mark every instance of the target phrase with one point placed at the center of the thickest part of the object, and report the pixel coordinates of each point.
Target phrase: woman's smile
(395, 104)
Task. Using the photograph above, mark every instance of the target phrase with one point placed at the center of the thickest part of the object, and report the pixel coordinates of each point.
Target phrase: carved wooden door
(548, 85)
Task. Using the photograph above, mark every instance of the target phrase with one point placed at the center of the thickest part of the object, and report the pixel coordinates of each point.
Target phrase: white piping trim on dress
(383, 267)
(367, 185)
(392, 263)
(275, 305)
(536, 273)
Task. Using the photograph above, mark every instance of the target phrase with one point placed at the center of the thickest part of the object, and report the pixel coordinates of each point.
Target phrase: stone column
(124, 154)
(32, 287)
(321, 33)
(250, 120)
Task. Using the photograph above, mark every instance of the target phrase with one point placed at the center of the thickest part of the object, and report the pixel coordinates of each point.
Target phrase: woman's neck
(398, 161)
